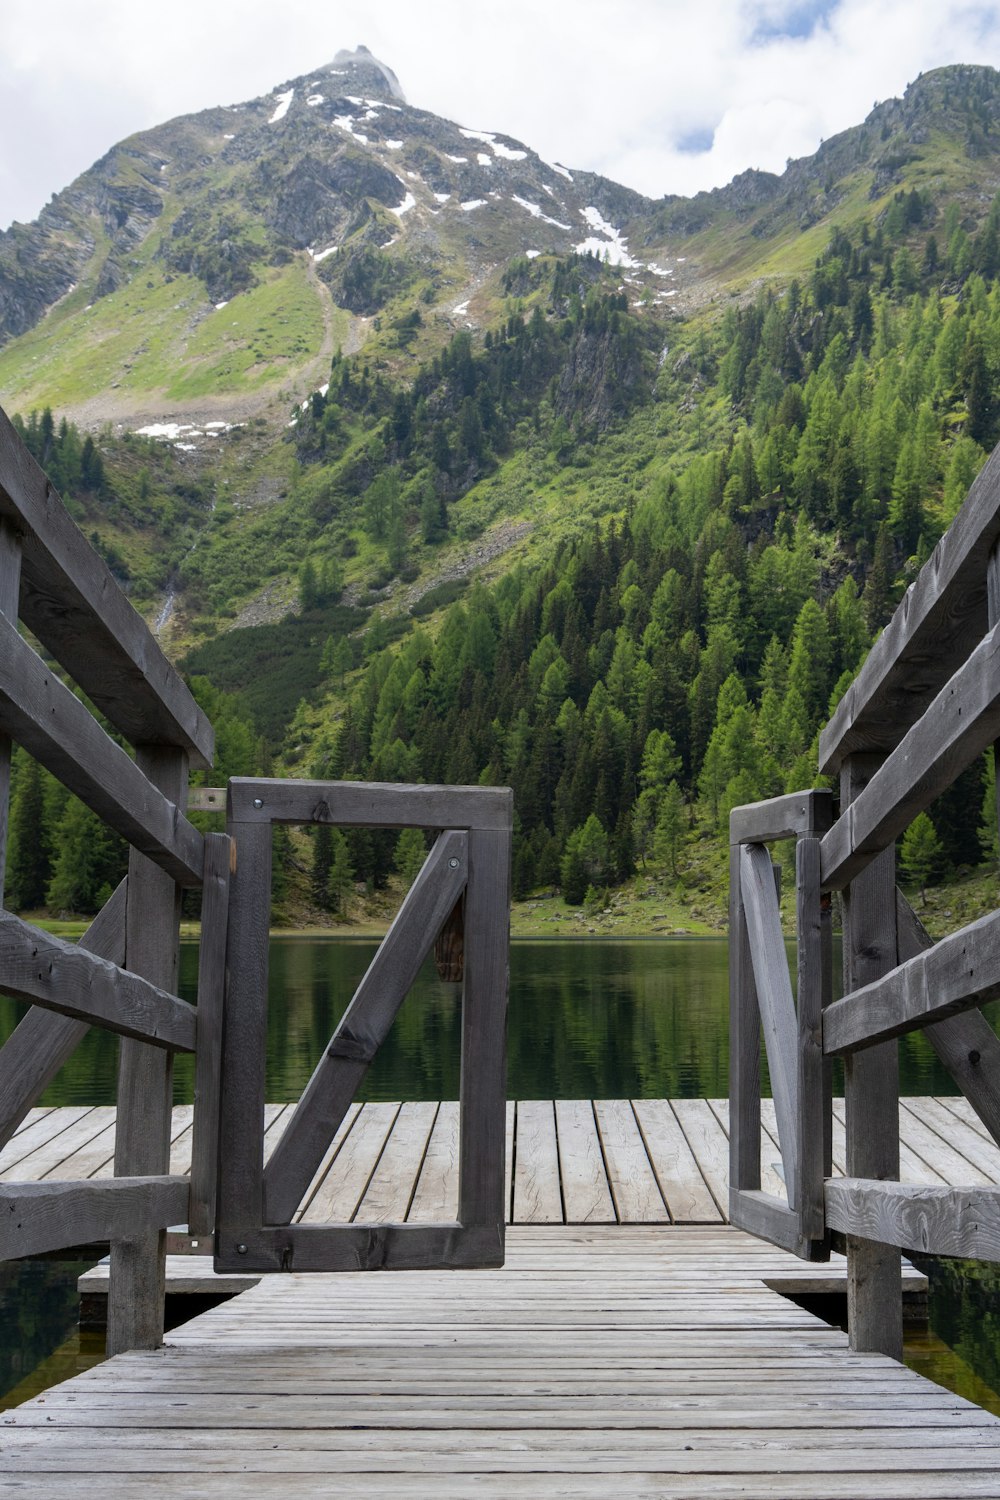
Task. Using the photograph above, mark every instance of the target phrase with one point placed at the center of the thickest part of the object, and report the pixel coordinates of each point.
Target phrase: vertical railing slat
(744, 1047)
(871, 1087)
(208, 1058)
(813, 1141)
(10, 590)
(145, 1075)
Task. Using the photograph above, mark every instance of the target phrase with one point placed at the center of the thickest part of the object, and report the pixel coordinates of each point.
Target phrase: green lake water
(594, 1018)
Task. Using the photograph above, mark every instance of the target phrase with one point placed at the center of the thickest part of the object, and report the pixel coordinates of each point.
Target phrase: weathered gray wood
(961, 971)
(206, 799)
(537, 1193)
(582, 1174)
(941, 618)
(812, 1141)
(774, 997)
(10, 589)
(43, 1040)
(67, 978)
(369, 804)
(49, 721)
(636, 1192)
(365, 1025)
(744, 1042)
(240, 1190)
(208, 1060)
(770, 1219)
(963, 1221)
(684, 1190)
(364, 1247)
(781, 817)
(40, 1216)
(871, 1086)
(483, 1085)
(954, 731)
(77, 610)
(145, 1075)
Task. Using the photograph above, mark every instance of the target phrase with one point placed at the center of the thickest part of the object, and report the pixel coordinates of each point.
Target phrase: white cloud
(614, 90)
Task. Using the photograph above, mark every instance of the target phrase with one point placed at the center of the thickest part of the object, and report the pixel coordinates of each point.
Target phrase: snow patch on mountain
(284, 100)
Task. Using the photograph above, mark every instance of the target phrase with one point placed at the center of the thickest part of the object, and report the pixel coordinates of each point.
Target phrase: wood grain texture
(961, 971)
(483, 1081)
(963, 1221)
(240, 1189)
(955, 729)
(65, 977)
(781, 817)
(966, 1044)
(369, 804)
(582, 1173)
(813, 1138)
(10, 589)
(210, 1015)
(44, 716)
(684, 1190)
(634, 1187)
(871, 1086)
(941, 618)
(744, 1040)
(44, 1040)
(145, 1073)
(71, 601)
(364, 1025)
(537, 1194)
(773, 986)
(40, 1216)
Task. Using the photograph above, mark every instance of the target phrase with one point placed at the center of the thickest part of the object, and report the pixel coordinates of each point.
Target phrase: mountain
(485, 469)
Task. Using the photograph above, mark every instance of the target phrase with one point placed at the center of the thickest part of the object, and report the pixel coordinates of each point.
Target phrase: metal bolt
(258, 802)
(454, 863)
(241, 1249)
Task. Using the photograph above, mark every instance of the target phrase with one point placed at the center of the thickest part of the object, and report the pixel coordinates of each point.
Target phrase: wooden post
(871, 1086)
(145, 1075)
(744, 1044)
(10, 589)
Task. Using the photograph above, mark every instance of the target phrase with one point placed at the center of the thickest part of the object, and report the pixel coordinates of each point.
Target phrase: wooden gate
(469, 863)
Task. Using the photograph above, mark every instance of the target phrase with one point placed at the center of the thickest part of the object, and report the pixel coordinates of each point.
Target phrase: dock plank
(633, 1360)
(634, 1187)
(685, 1191)
(388, 1194)
(537, 1196)
(586, 1193)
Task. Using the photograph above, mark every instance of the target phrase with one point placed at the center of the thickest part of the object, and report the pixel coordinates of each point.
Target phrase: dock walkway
(601, 1360)
(569, 1161)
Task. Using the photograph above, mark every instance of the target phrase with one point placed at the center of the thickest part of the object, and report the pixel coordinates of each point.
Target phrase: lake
(589, 1018)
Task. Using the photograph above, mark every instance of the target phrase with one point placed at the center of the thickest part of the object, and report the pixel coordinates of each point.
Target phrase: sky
(666, 96)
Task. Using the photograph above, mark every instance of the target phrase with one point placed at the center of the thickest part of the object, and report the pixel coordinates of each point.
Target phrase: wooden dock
(633, 1360)
(569, 1161)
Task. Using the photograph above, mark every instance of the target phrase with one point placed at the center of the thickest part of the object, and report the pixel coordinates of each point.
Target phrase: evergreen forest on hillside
(755, 489)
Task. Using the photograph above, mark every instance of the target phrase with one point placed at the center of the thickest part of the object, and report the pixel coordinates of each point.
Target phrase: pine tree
(921, 853)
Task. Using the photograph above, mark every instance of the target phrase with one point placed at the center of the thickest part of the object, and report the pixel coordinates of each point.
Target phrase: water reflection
(588, 1019)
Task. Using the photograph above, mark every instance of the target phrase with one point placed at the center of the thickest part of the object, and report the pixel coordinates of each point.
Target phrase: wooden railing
(924, 707)
(122, 975)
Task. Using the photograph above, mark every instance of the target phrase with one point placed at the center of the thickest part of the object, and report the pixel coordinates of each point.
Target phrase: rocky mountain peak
(362, 72)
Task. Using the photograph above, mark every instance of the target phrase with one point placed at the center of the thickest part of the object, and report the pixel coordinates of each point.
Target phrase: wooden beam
(814, 1118)
(365, 1025)
(966, 1044)
(744, 1044)
(959, 972)
(364, 1247)
(871, 1087)
(369, 804)
(44, 1040)
(136, 1292)
(961, 722)
(483, 1085)
(208, 1058)
(781, 817)
(41, 713)
(770, 1219)
(941, 617)
(36, 1217)
(71, 601)
(774, 997)
(64, 977)
(963, 1221)
(10, 588)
